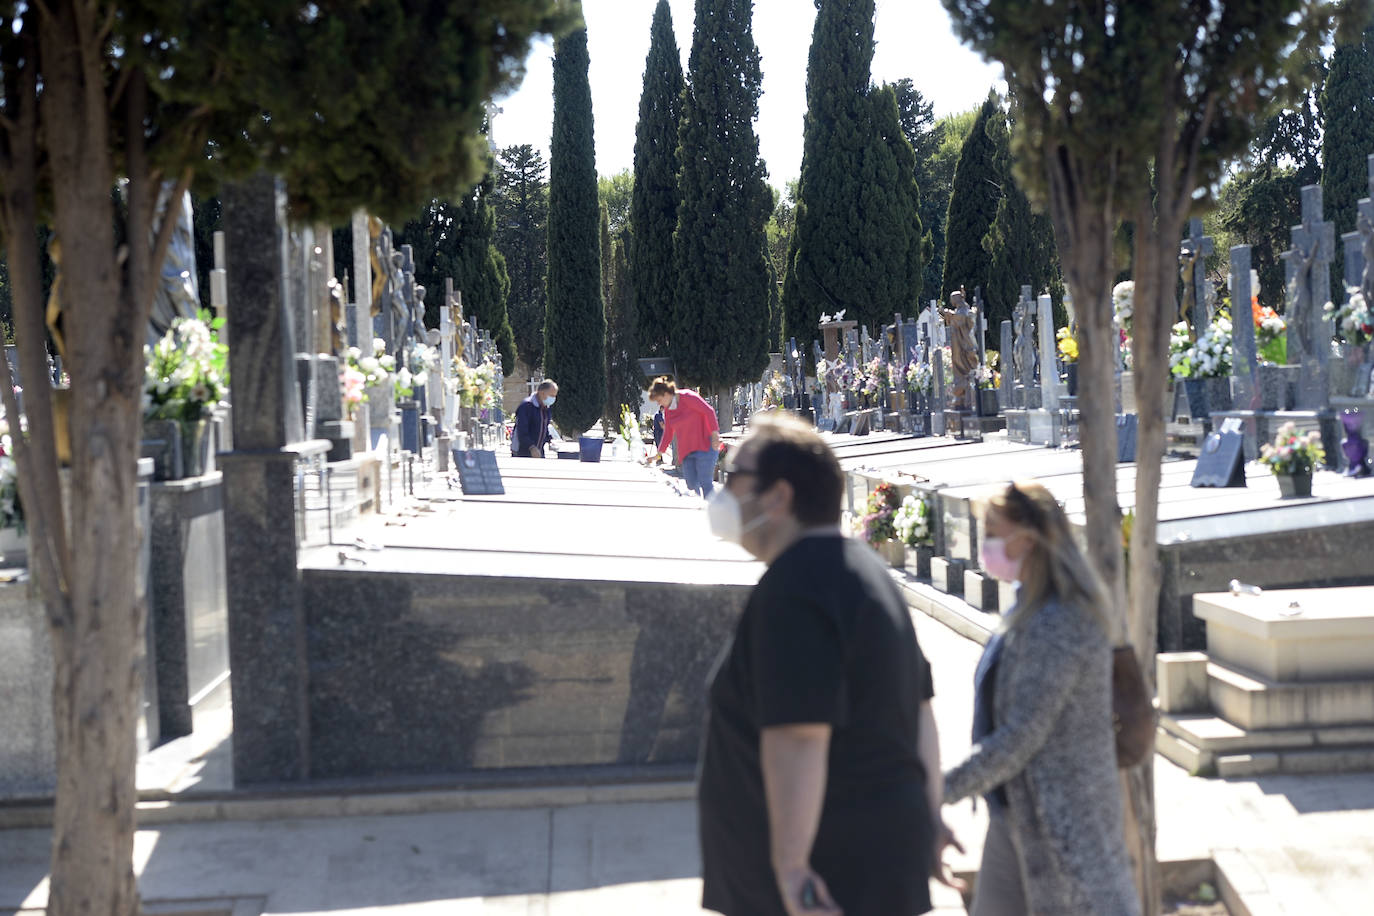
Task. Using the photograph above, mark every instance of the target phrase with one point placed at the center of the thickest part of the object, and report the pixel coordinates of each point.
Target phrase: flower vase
(987, 402)
(14, 547)
(1071, 378)
(1127, 391)
(918, 560)
(1295, 485)
(892, 551)
(195, 447)
(162, 443)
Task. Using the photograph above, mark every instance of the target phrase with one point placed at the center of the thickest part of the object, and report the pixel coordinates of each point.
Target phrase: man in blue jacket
(531, 431)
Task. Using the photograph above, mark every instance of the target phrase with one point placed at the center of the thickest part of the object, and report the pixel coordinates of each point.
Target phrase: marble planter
(195, 447)
(918, 561)
(14, 547)
(1207, 395)
(1071, 379)
(892, 551)
(1276, 385)
(1295, 485)
(162, 443)
(1127, 381)
(987, 402)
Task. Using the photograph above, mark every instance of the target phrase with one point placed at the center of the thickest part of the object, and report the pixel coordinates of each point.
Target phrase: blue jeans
(697, 469)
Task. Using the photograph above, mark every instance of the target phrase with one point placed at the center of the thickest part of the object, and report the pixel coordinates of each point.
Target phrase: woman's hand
(803, 891)
(944, 838)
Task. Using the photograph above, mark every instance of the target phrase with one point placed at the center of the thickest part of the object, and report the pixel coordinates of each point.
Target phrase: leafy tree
(978, 182)
(775, 341)
(1347, 104)
(575, 323)
(719, 329)
(781, 223)
(654, 197)
(192, 79)
(925, 135)
(1258, 207)
(623, 387)
(614, 193)
(950, 133)
(207, 219)
(522, 215)
(1133, 109)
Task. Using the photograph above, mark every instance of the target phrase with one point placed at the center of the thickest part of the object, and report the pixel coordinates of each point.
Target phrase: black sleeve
(798, 661)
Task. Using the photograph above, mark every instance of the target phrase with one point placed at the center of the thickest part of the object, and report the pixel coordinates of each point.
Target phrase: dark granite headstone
(1127, 428)
(1221, 462)
(1308, 290)
(479, 473)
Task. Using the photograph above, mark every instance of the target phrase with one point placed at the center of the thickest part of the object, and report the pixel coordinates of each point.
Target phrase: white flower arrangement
(1354, 321)
(1123, 304)
(913, 521)
(1207, 357)
(11, 509)
(919, 377)
(186, 373)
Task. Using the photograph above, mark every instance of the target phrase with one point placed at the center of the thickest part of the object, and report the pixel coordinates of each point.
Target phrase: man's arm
(793, 759)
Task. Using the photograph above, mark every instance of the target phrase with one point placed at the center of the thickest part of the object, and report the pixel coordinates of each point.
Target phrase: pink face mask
(992, 556)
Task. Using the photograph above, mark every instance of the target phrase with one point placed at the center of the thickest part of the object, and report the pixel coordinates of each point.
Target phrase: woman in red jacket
(688, 418)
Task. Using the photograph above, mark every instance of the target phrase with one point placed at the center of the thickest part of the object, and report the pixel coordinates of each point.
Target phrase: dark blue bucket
(589, 448)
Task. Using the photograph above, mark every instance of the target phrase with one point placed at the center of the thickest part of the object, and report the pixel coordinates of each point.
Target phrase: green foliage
(654, 197)
(456, 240)
(614, 193)
(774, 305)
(979, 180)
(858, 238)
(522, 227)
(623, 387)
(1347, 103)
(780, 225)
(575, 323)
(1021, 249)
(206, 220)
(719, 330)
(377, 104)
(935, 161)
(1258, 207)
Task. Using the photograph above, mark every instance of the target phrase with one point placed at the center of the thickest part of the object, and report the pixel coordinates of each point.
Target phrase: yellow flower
(1068, 345)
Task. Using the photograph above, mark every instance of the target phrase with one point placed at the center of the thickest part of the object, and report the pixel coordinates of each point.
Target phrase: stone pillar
(266, 625)
(937, 407)
(1049, 375)
(1309, 289)
(1008, 382)
(1244, 358)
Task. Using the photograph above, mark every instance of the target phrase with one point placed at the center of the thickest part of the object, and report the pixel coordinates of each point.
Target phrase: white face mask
(726, 516)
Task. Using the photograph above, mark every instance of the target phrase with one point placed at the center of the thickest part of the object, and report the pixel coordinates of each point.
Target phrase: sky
(913, 40)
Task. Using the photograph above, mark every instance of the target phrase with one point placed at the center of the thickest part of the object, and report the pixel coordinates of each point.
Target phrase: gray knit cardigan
(1053, 748)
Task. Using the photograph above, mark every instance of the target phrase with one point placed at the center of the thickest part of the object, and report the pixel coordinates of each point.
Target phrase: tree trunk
(97, 649)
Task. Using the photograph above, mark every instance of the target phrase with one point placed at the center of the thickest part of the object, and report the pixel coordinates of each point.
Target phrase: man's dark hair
(786, 448)
(546, 385)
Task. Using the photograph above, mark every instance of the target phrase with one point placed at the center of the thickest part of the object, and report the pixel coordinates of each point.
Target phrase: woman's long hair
(1054, 566)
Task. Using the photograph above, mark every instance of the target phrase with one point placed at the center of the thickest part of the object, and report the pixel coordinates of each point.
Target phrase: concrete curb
(951, 610)
(262, 807)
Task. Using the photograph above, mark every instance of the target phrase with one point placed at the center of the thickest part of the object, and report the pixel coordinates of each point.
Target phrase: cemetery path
(1292, 844)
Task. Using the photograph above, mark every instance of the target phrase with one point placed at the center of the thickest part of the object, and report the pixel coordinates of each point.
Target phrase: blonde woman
(1044, 752)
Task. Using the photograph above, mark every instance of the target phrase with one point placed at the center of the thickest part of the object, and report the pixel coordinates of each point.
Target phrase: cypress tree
(973, 204)
(720, 316)
(824, 268)
(479, 270)
(890, 236)
(654, 199)
(774, 306)
(575, 323)
(1347, 103)
(1019, 243)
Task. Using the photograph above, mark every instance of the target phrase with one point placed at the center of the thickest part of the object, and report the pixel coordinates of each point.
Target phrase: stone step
(1199, 742)
(1317, 760)
(1252, 701)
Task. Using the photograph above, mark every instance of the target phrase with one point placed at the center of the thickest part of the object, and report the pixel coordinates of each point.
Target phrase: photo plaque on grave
(1222, 460)
(478, 472)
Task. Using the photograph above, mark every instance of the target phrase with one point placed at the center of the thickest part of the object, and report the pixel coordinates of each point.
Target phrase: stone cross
(866, 345)
(980, 328)
(362, 273)
(1197, 289)
(1244, 358)
(851, 347)
(1023, 356)
(383, 321)
(1049, 377)
(1008, 382)
(1364, 225)
(1308, 290)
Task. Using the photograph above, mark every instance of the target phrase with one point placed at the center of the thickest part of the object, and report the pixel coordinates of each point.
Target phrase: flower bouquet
(1354, 321)
(1207, 357)
(1271, 339)
(630, 434)
(1292, 458)
(912, 522)
(186, 376)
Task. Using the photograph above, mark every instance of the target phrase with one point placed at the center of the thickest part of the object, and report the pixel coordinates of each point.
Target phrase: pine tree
(522, 215)
(719, 330)
(973, 204)
(623, 387)
(827, 259)
(654, 200)
(575, 323)
(1347, 102)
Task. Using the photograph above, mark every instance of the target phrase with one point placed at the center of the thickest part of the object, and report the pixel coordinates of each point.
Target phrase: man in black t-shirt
(819, 788)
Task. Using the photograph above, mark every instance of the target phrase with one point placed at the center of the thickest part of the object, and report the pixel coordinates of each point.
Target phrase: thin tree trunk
(97, 652)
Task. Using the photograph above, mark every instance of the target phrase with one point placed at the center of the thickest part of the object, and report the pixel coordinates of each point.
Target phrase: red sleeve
(712, 421)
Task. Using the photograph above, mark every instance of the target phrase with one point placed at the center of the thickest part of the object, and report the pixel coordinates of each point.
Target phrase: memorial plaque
(1222, 461)
(478, 472)
(1127, 426)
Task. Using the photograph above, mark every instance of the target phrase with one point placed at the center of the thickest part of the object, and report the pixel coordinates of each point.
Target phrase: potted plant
(1292, 458)
(186, 375)
(1353, 323)
(1204, 365)
(1068, 354)
(879, 528)
(988, 380)
(916, 533)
